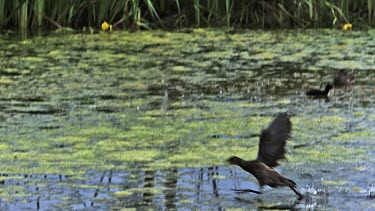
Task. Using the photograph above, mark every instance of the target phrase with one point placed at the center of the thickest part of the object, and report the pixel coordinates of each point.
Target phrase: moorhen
(271, 149)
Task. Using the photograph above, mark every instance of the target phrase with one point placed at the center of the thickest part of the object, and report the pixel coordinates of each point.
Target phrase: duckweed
(130, 191)
(329, 153)
(338, 182)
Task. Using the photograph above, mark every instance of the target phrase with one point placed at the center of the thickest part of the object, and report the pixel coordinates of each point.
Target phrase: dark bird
(343, 79)
(316, 93)
(271, 149)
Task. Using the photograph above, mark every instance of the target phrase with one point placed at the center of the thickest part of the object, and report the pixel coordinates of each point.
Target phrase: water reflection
(170, 191)
(148, 184)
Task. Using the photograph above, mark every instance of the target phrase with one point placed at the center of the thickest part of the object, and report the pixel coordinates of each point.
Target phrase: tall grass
(371, 11)
(22, 15)
(228, 8)
(39, 9)
(138, 14)
(197, 8)
(2, 13)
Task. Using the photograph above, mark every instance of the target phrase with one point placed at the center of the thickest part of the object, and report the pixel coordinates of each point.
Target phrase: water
(147, 119)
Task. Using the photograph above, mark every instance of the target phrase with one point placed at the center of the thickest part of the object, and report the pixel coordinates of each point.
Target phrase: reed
(371, 11)
(2, 13)
(39, 8)
(104, 8)
(138, 14)
(197, 8)
(228, 8)
(23, 19)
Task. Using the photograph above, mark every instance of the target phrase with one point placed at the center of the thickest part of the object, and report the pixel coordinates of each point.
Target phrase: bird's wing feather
(273, 140)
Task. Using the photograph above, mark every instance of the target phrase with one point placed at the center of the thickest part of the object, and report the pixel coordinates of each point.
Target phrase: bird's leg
(300, 196)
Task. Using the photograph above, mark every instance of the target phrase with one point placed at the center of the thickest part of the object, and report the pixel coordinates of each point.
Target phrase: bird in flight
(271, 149)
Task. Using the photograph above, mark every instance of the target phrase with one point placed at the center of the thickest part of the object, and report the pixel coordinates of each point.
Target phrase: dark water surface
(147, 119)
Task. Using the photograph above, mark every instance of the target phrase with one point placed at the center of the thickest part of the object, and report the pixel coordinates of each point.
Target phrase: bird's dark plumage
(271, 149)
(273, 139)
(316, 93)
(343, 79)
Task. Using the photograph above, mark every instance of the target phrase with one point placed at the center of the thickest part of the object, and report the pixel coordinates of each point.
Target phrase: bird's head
(234, 160)
(328, 87)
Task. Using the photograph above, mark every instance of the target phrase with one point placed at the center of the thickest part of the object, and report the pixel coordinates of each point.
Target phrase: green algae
(335, 183)
(132, 155)
(130, 191)
(357, 189)
(98, 131)
(5, 80)
(141, 143)
(328, 153)
(181, 69)
(359, 136)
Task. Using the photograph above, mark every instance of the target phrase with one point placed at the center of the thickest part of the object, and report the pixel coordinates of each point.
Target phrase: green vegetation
(330, 182)
(137, 14)
(127, 192)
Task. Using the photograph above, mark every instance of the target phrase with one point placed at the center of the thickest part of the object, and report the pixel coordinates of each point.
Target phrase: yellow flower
(106, 26)
(347, 26)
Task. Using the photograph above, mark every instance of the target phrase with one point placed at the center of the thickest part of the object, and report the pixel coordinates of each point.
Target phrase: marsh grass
(23, 19)
(145, 14)
(2, 13)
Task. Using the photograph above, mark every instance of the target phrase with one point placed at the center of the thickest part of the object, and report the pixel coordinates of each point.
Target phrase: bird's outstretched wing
(273, 140)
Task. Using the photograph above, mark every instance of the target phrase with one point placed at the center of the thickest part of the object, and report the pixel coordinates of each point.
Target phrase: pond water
(147, 119)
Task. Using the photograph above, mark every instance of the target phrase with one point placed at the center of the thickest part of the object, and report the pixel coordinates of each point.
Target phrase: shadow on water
(146, 120)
